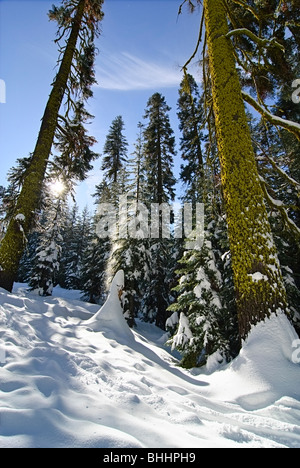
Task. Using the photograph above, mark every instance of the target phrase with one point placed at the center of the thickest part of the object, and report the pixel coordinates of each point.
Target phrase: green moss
(250, 236)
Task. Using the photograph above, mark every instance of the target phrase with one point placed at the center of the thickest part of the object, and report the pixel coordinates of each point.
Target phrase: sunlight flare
(57, 187)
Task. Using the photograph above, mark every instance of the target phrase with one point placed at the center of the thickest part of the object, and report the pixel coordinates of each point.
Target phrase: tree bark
(257, 275)
(14, 242)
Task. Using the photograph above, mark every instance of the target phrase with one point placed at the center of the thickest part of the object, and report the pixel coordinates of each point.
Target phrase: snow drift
(73, 376)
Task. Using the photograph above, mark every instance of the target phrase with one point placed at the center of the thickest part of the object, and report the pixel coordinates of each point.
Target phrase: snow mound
(69, 380)
(110, 316)
(263, 373)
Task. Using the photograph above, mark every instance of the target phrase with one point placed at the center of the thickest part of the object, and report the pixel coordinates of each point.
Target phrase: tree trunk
(258, 281)
(14, 242)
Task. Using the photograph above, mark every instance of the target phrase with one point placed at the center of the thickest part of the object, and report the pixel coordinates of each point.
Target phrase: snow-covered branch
(279, 206)
(288, 125)
(286, 176)
(278, 169)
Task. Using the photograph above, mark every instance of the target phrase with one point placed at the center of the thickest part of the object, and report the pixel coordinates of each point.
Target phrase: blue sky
(141, 50)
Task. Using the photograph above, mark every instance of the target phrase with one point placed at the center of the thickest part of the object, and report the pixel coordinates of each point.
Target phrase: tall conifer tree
(159, 154)
(191, 116)
(115, 150)
(78, 23)
(130, 254)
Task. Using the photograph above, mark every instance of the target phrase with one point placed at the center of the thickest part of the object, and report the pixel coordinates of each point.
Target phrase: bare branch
(198, 43)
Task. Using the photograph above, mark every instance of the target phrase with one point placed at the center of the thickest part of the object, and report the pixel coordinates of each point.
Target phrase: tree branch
(278, 169)
(279, 206)
(263, 43)
(247, 7)
(198, 43)
(288, 125)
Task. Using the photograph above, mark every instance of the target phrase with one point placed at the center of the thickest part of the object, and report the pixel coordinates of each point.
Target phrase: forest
(239, 151)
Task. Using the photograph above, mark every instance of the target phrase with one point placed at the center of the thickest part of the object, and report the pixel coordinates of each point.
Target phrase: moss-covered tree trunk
(13, 244)
(258, 282)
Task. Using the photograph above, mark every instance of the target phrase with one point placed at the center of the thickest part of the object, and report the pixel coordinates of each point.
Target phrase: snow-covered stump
(110, 316)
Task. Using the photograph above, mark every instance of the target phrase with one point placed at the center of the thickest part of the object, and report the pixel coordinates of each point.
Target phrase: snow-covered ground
(73, 377)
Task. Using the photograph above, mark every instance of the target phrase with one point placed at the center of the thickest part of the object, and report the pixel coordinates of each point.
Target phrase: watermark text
(296, 353)
(136, 220)
(296, 93)
(2, 354)
(2, 92)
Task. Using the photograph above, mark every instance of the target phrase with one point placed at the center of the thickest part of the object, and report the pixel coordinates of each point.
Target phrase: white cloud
(125, 72)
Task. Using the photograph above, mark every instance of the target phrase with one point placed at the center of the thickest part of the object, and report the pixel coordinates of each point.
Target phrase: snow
(288, 124)
(20, 217)
(257, 276)
(184, 334)
(110, 316)
(172, 321)
(74, 376)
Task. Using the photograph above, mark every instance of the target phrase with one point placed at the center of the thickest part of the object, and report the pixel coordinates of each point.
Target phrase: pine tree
(281, 194)
(46, 263)
(28, 259)
(99, 247)
(10, 194)
(137, 170)
(159, 154)
(259, 30)
(94, 268)
(159, 151)
(78, 23)
(190, 114)
(73, 144)
(115, 150)
(68, 247)
(130, 253)
(97, 253)
(205, 326)
(75, 239)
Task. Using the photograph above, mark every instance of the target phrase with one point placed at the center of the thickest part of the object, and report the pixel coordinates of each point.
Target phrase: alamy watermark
(135, 220)
(296, 93)
(2, 92)
(296, 353)
(2, 354)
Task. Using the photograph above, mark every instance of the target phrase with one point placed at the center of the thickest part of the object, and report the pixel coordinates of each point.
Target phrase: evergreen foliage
(94, 268)
(130, 253)
(204, 323)
(46, 264)
(75, 239)
(98, 263)
(159, 151)
(190, 114)
(160, 182)
(281, 197)
(115, 150)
